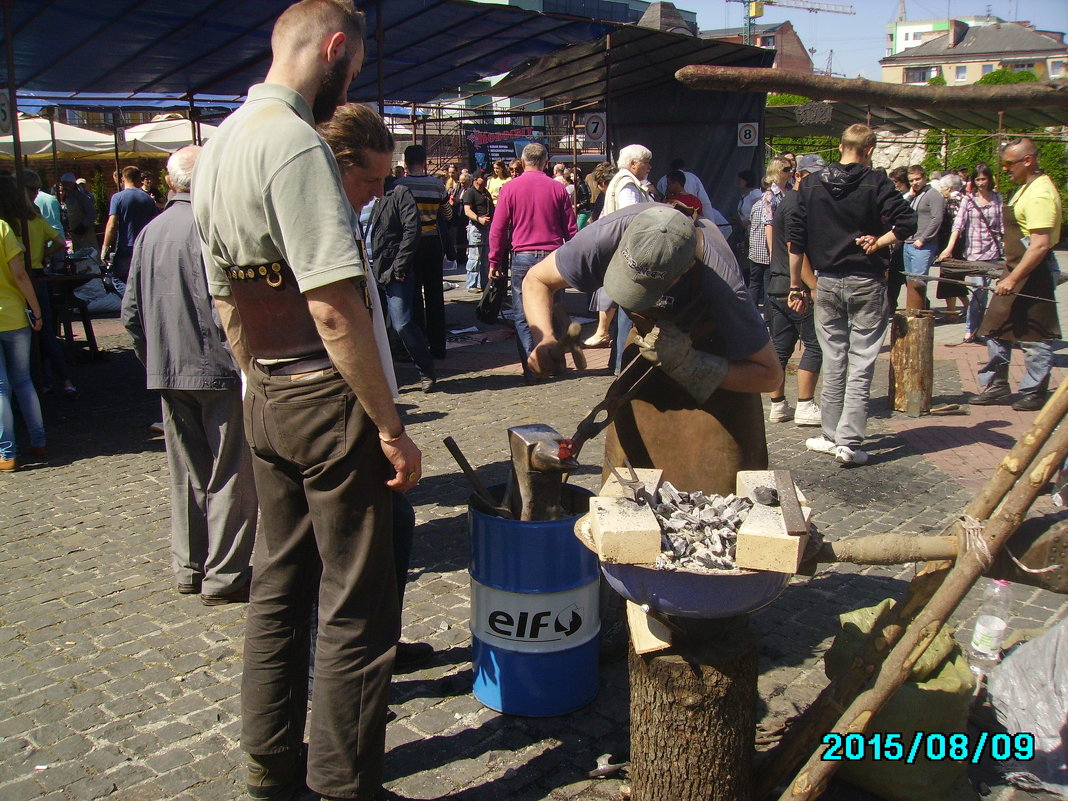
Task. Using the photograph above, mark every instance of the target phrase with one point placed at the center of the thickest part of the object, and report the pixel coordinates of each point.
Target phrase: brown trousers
(325, 532)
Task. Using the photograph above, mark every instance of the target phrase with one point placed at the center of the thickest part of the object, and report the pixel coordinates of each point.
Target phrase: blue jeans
(1038, 361)
(976, 303)
(520, 265)
(400, 302)
(918, 260)
(15, 382)
(851, 314)
(477, 257)
(623, 328)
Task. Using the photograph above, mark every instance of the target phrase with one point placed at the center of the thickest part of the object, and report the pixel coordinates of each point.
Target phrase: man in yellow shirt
(1032, 228)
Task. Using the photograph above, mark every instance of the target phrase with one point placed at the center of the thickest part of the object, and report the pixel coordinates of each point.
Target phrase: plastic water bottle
(990, 627)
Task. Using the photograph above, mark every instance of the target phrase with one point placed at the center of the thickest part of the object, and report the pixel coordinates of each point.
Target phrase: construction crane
(755, 10)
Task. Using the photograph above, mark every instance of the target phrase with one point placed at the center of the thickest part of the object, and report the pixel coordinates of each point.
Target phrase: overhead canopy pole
(609, 139)
(193, 120)
(55, 150)
(118, 169)
(380, 43)
(12, 103)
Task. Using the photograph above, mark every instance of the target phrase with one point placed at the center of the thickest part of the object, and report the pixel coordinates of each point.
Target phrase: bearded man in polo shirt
(289, 282)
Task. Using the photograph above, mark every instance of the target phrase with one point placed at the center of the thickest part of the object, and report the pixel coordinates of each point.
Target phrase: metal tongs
(621, 390)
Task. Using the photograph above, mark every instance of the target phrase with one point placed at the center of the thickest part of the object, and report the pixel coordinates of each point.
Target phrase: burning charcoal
(716, 545)
(666, 561)
(668, 494)
(768, 496)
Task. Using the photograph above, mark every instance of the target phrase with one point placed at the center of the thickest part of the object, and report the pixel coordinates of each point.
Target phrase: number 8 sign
(748, 133)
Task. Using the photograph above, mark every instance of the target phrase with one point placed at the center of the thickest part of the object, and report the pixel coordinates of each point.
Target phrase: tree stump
(693, 714)
(912, 361)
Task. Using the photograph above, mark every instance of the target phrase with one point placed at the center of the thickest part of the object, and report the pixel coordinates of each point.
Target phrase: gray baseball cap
(811, 162)
(658, 246)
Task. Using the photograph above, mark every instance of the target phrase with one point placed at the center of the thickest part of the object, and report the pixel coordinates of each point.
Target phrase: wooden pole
(888, 549)
(911, 361)
(16, 138)
(863, 91)
(804, 735)
(895, 670)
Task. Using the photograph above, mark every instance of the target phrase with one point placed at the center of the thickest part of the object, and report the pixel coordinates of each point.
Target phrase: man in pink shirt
(534, 216)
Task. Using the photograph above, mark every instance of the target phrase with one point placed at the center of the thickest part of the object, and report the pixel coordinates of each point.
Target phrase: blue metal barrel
(534, 613)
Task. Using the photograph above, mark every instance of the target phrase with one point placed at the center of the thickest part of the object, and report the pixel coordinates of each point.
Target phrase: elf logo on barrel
(540, 627)
(534, 622)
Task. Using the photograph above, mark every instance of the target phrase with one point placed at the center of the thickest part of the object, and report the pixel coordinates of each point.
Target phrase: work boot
(993, 394)
(781, 411)
(1030, 402)
(277, 777)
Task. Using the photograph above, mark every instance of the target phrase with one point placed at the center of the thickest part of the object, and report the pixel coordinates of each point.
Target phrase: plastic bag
(1029, 692)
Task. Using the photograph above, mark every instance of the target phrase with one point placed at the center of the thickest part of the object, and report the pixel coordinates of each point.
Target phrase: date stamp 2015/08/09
(931, 746)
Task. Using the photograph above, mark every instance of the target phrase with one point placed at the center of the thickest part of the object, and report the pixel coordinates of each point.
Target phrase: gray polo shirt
(267, 187)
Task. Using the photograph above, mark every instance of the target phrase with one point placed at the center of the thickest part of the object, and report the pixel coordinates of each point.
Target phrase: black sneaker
(992, 395)
(1030, 402)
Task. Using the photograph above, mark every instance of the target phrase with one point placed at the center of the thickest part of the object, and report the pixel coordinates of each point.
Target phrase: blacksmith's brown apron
(1015, 319)
(697, 447)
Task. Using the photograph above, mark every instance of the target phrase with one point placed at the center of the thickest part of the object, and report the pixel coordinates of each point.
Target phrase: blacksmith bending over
(682, 286)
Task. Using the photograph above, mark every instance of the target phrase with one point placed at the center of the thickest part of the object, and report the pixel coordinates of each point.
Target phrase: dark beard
(331, 92)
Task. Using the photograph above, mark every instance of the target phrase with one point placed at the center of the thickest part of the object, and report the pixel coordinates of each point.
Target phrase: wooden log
(696, 706)
(812, 780)
(888, 549)
(803, 737)
(860, 90)
(911, 361)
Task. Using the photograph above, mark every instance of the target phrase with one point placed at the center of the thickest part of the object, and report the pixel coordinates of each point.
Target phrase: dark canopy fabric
(633, 75)
(632, 60)
(221, 47)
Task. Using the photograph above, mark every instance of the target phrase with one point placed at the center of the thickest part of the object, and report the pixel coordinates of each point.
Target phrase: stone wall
(899, 150)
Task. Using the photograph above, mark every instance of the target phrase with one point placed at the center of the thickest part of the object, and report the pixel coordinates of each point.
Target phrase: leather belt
(301, 367)
(540, 253)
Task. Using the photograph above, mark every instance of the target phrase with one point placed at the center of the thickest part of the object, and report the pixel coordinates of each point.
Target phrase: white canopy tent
(36, 135)
(170, 135)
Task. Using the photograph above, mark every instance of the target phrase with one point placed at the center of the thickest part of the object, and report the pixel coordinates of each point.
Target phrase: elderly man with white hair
(168, 312)
(627, 187)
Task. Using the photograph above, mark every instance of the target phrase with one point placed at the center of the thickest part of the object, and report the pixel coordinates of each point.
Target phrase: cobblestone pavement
(114, 686)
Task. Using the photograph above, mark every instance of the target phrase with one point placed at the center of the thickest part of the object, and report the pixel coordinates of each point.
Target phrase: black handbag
(489, 307)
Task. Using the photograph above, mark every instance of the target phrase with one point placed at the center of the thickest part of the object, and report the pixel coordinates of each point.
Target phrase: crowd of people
(261, 290)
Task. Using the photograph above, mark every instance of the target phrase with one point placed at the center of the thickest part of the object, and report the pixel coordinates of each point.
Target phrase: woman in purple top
(980, 222)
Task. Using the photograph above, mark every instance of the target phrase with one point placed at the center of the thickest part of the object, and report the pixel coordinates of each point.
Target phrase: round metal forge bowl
(685, 593)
